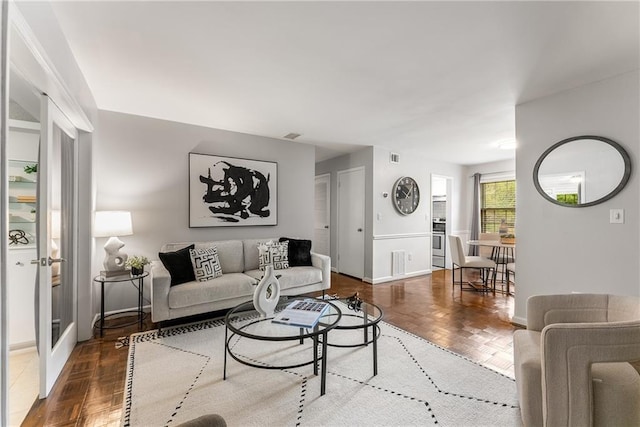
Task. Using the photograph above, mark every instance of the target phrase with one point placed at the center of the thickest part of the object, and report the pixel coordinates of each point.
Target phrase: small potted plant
(137, 263)
(508, 239)
(29, 169)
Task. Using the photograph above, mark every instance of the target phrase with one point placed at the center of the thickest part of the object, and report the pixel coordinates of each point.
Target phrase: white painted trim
(368, 280)
(22, 345)
(401, 236)
(497, 176)
(386, 279)
(4, 213)
(66, 101)
(334, 270)
(96, 317)
(126, 311)
(30, 127)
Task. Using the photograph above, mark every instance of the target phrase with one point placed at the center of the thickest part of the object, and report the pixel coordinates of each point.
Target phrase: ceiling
(440, 79)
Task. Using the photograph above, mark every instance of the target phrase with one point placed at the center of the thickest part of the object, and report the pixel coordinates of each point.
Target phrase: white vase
(265, 300)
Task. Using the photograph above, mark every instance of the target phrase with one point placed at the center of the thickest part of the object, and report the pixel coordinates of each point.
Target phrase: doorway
(322, 217)
(441, 220)
(351, 200)
(22, 159)
(51, 173)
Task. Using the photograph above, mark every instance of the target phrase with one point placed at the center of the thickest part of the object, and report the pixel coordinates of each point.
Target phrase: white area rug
(175, 376)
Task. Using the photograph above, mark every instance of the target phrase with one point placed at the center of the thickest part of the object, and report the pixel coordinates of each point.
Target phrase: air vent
(394, 158)
(291, 135)
(397, 263)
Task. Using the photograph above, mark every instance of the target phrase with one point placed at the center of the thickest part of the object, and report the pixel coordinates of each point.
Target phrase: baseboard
(123, 311)
(418, 273)
(404, 276)
(392, 278)
(334, 270)
(520, 321)
(22, 345)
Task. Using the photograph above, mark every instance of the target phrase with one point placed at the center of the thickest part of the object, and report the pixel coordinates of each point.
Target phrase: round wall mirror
(582, 171)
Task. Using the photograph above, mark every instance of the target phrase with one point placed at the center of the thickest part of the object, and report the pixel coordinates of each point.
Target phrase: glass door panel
(56, 240)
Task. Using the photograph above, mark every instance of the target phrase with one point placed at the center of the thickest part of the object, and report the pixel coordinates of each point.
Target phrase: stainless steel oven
(438, 244)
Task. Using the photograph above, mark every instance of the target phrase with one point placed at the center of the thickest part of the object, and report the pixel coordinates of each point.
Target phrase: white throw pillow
(206, 264)
(276, 254)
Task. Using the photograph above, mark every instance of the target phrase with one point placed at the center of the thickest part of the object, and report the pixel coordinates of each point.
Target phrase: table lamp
(113, 224)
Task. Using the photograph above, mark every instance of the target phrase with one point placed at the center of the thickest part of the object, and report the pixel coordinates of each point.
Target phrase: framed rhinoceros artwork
(228, 191)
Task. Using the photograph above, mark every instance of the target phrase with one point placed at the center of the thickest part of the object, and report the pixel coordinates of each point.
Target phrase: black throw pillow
(299, 252)
(179, 265)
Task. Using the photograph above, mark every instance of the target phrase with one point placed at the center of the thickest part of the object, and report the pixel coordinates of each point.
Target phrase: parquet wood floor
(90, 389)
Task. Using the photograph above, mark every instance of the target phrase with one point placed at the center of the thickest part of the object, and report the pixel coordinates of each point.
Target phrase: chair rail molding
(401, 235)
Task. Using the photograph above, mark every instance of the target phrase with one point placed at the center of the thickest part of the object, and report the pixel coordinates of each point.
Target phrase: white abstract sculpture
(267, 293)
(112, 224)
(114, 259)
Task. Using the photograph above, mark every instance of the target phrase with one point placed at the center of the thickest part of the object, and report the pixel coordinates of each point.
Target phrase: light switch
(616, 216)
(379, 216)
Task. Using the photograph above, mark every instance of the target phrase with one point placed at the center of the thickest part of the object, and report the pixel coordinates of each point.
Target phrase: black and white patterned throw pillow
(206, 265)
(276, 254)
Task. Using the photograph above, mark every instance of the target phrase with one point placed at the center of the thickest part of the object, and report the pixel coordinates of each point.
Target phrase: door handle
(19, 263)
(47, 261)
(359, 230)
(326, 226)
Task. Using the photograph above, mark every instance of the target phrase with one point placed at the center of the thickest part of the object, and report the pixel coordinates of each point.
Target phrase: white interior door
(56, 213)
(351, 222)
(321, 228)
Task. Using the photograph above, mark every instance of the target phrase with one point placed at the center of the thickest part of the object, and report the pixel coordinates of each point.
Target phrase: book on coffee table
(302, 313)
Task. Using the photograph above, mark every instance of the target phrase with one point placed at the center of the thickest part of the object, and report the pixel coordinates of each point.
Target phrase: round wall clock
(406, 195)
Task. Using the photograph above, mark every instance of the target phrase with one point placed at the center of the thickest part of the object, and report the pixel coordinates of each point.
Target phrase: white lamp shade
(112, 223)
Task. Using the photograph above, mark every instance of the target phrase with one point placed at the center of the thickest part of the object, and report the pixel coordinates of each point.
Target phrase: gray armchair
(571, 364)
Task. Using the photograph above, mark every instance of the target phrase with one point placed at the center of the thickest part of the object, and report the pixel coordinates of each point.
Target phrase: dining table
(501, 253)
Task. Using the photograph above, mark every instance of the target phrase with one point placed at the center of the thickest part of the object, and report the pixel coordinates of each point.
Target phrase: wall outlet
(410, 256)
(616, 216)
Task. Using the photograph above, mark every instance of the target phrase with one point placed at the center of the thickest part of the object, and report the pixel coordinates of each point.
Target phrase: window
(498, 204)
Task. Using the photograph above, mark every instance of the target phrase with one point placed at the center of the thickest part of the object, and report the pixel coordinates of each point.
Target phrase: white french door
(351, 222)
(56, 213)
(321, 231)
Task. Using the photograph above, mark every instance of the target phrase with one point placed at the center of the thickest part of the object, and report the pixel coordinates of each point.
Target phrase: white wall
(411, 233)
(361, 158)
(385, 229)
(560, 249)
(141, 165)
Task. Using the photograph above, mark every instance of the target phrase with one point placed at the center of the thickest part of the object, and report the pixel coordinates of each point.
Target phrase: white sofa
(239, 262)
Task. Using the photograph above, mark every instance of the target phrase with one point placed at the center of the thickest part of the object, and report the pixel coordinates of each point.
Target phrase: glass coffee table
(243, 321)
(358, 315)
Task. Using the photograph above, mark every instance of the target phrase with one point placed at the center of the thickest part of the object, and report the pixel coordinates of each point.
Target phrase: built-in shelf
(22, 202)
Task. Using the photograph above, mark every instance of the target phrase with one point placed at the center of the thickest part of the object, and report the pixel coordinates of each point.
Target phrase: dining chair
(459, 259)
(511, 270)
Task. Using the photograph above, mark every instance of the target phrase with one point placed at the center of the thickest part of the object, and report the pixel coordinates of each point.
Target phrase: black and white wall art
(227, 191)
